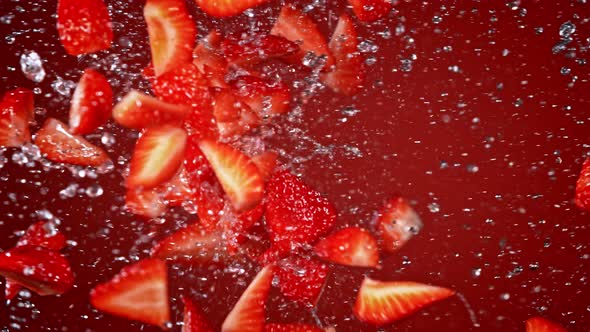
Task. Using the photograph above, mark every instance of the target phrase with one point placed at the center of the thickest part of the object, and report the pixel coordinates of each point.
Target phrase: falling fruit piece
(396, 224)
(84, 26)
(91, 103)
(371, 10)
(192, 243)
(351, 246)
(225, 8)
(539, 324)
(16, 112)
(194, 318)
(137, 110)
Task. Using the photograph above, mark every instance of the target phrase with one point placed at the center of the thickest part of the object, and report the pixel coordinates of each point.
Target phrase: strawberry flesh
(43, 234)
(233, 117)
(302, 279)
(16, 112)
(396, 224)
(84, 26)
(137, 110)
(351, 246)
(265, 97)
(582, 197)
(225, 8)
(370, 10)
(194, 318)
(266, 163)
(91, 104)
(281, 327)
(252, 49)
(145, 202)
(209, 60)
(539, 324)
(192, 243)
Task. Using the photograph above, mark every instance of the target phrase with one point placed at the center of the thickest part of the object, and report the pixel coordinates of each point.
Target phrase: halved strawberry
(252, 49)
(237, 174)
(84, 27)
(157, 156)
(383, 302)
(265, 97)
(225, 8)
(351, 246)
(233, 117)
(370, 10)
(16, 111)
(296, 215)
(248, 314)
(145, 202)
(396, 223)
(539, 324)
(302, 279)
(46, 272)
(43, 234)
(192, 243)
(582, 198)
(57, 144)
(208, 59)
(349, 73)
(295, 327)
(171, 31)
(138, 111)
(194, 318)
(91, 104)
(295, 26)
(138, 292)
(266, 163)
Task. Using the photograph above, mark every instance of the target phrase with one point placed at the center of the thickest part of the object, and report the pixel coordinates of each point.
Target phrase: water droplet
(434, 207)
(476, 272)
(565, 71)
(505, 296)
(107, 139)
(94, 190)
(32, 66)
(406, 65)
(437, 19)
(69, 191)
(367, 46)
(63, 87)
(567, 29)
(472, 168)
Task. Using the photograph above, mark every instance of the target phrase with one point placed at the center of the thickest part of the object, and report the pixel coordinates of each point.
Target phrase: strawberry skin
(383, 302)
(43, 234)
(370, 10)
(280, 327)
(539, 324)
(351, 246)
(43, 271)
(184, 85)
(57, 144)
(248, 314)
(91, 104)
(302, 279)
(84, 26)
(138, 292)
(266, 163)
(582, 198)
(138, 111)
(192, 243)
(209, 60)
(296, 214)
(194, 318)
(157, 156)
(397, 223)
(256, 48)
(265, 97)
(171, 32)
(225, 8)
(16, 111)
(237, 174)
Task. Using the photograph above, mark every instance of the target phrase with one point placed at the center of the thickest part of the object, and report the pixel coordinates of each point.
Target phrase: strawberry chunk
(539, 324)
(233, 117)
(138, 292)
(265, 97)
(145, 202)
(91, 104)
(157, 156)
(280, 327)
(383, 302)
(248, 314)
(225, 8)
(138, 111)
(43, 234)
(209, 60)
(171, 32)
(266, 163)
(302, 279)
(370, 10)
(46, 272)
(295, 26)
(192, 243)
(237, 174)
(582, 198)
(84, 26)
(396, 224)
(253, 49)
(349, 73)
(16, 112)
(351, 246)
(57, 144)
(176, 191)
(194, 318)
(184, 85)
(296, 215)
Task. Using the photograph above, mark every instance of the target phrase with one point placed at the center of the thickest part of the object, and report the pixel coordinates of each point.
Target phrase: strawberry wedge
(281, 327)
(192, 243)
(171, 32)
(539, 324)
(139, 292)
(57, 144)
(248, 314)
(351, 246)
(396, 224)
(237, 174)
(233, 118)
(383, 302)
(253, 49)
(16, 112)
(84, 26)
(194, 318)
(371, 10)
(138, 111)
(157, 156)
(225, 8)
(295, 26)
(265, 97)
(91, 104)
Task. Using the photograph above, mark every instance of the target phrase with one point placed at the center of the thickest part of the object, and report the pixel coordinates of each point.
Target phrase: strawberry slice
(370, 10)
(233, 117)
(171, 31)
(138, 292)
(43, 234)
(237, 174)
(157, 156)
(192, 243)
(145, 202)
(296, 214)
(253, 49)
(209, 60)
(138, 111)
(397, 222)
(295, 26)
(57, 144)
(582, 198)
(265, 97)
(349, 73)
(266, 163)
(91, 104)
(280, 327)
(46, 272)
(351, 246)
(16, 111)
(84, 27)
(539, 324)
(302, 279)
(248, 314)
(225, 8)
(383, 302)
(194, 318)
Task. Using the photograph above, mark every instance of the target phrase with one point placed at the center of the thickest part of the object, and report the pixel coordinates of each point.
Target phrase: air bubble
(32, 66)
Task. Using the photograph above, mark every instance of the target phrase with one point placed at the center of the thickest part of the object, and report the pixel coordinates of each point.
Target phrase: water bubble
(560, 46)
(434, 207)
(567, 29)
(406, 65)
(107, 139)
(6, 19)
(94, 190)
(400, 29)
(437, 19)
(69, 191)
(565, 71)
(367, 46)
(472, 168)
(476, 272)
(539, 30)
(63, 87)
(505, 296)
(32, 66)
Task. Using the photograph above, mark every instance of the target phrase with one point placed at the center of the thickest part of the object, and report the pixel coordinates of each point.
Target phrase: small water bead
(32, 66)
(406, 65)
(505, 296)
(107, 139)
(472, 168)
(567, 29)
(437, 19)
(476, 273)
(434, 207)
(367, 46)
(565, 71)
(63, 87)
(94, 190)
